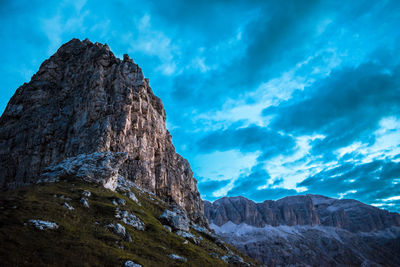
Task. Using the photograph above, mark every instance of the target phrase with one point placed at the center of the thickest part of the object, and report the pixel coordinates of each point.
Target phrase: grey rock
(84, 100)
(119, 202)
(124, 185)
(213, 254)
(65, 198)
(235, 260)
(192, 238)
(130, 219)
(96, 167)
(175, 218)
(131, 264)
(84, 202)
(128, 238)
(69, 207)
(44, 225)
(133, 197)
(167, 227)
(204, 231)
(117, 228)
(86, 193)
(177, 257)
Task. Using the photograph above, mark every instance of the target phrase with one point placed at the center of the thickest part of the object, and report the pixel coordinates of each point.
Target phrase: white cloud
(153, 42)
(392, 198)
(296, 167)
(386, 145)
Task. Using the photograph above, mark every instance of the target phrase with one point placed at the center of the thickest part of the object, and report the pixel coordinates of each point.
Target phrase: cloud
(249, 139)
(346, 106)
(372, 183)
(256, 185)
(208, 187)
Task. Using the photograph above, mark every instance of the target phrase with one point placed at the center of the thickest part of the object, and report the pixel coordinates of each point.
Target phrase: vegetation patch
(82, 238)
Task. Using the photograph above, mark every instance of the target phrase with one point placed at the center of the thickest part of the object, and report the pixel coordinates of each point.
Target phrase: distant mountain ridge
(348, 214)
(308, 230)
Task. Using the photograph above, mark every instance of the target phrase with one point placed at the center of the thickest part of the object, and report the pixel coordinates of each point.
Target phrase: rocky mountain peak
(84, 100)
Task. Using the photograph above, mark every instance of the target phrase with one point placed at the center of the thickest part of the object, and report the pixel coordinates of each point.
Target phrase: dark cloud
(247, 186)
(345, 107)
(266, 48)
(208, 187)
(250, 182)
(248, 139)
(368, 182)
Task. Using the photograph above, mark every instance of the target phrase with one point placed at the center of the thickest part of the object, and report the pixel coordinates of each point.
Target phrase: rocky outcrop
(176, 219)
(44, 225)
(310, 210)
(308, 230)
(97, 167)
(84, 100)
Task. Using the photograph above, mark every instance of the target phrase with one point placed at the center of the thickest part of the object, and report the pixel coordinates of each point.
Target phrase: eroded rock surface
(84, 100)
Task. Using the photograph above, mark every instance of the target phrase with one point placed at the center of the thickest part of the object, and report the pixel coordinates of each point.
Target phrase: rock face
(310, 210)
(84, 100)
(308, 230)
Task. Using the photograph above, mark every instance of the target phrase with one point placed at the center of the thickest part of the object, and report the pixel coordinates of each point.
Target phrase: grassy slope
(79, 241)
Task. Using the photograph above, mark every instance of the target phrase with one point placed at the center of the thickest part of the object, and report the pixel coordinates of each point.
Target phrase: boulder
(131, 264)
(44, 225)
(177, 257)
(69, 207)
(234, 260)
(175, 218)
(84, 202)
(129, 219)
(119, 201)
(98, 167)
(168, 228)
(133, 197)
(192, 238)
(86, 193)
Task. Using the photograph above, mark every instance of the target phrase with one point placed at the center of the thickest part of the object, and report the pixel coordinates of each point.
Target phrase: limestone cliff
(85, 100)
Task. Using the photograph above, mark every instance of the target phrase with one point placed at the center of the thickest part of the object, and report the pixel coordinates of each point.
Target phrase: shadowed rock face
(85, 100)
(308, 230)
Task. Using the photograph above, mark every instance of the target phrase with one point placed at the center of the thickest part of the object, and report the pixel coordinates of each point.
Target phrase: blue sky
(264, 98)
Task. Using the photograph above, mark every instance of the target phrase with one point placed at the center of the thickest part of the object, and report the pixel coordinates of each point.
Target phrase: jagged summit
(85, 100)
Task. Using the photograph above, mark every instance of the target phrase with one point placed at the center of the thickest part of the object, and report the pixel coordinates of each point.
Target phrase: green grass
(79, 241)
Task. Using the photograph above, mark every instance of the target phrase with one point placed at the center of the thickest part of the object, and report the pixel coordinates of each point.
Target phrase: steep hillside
(89, 225)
